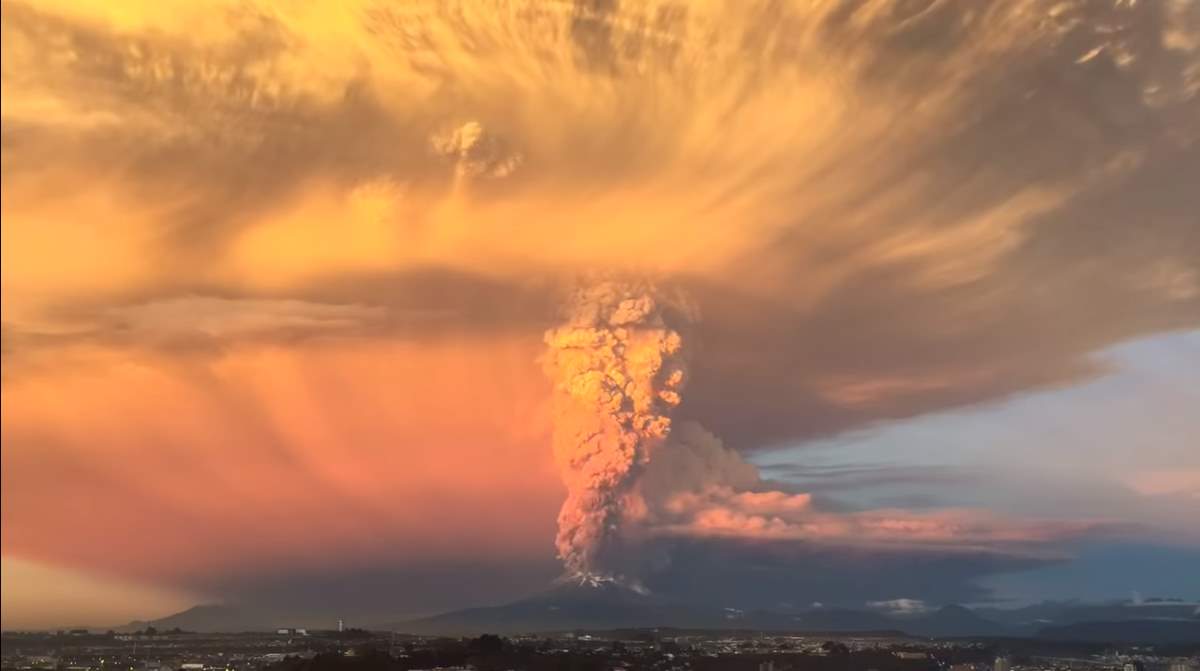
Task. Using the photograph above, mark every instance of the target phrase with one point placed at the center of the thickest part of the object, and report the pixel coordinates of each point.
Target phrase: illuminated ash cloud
(698, 487)
(476, 152)
(633, 474)
(618, 366)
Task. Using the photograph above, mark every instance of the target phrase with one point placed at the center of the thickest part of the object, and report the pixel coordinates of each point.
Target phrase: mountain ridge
(612, 606)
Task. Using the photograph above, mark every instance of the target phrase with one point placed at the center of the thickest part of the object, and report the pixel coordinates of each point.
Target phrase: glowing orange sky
(377, 445)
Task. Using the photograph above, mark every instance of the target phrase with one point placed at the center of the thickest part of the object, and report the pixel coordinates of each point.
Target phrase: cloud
(475, 152)
(695, 486)
(880, 210)
(770, 573)
(900, 606)
(858, 476)
(307, 455)
(1183, 483)
(222, 318)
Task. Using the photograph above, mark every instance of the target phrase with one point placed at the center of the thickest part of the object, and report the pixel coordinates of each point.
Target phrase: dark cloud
(764, 575)
(419, 304)
(716, 572)
(591, 28)
(821, 479)
(1113, 263)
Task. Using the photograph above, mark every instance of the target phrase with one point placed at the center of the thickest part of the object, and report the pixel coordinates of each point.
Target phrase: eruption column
(618, 369)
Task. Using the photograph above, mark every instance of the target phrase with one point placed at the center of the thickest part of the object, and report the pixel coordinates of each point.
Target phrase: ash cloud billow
(635, 474)
(619, 366)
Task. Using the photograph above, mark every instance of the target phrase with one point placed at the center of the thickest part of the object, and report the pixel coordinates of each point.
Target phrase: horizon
(898, 619)
(400, 309)
(898, 616)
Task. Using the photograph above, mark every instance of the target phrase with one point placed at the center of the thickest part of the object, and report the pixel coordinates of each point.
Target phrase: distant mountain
(569, 606)
(815, 619)
(840, 619)
(215, 618)
(612, 606)
(1030, 619)
(1128, 631)
(954, 620)
(608, 605)
(1148, 610)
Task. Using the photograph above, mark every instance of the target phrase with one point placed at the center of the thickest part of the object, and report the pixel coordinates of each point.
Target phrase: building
(1002, 664)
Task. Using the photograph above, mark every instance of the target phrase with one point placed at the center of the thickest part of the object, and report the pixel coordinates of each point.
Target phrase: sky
(1120, 446)
(391, 308)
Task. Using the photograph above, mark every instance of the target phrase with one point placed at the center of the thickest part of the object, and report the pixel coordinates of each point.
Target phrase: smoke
(618, 363)
(476, 152)
(698, 487)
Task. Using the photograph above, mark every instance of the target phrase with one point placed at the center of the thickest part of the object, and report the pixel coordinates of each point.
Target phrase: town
(619, 650)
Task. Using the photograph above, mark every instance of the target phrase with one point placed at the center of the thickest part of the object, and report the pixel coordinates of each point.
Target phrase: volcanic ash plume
(618, 368)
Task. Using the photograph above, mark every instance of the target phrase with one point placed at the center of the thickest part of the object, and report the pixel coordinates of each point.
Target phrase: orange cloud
(179, 466)
(1183, 482)
(790, 517)
(695, 486)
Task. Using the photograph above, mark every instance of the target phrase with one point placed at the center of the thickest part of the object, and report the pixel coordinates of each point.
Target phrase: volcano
(586, 604)
(604, 604)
